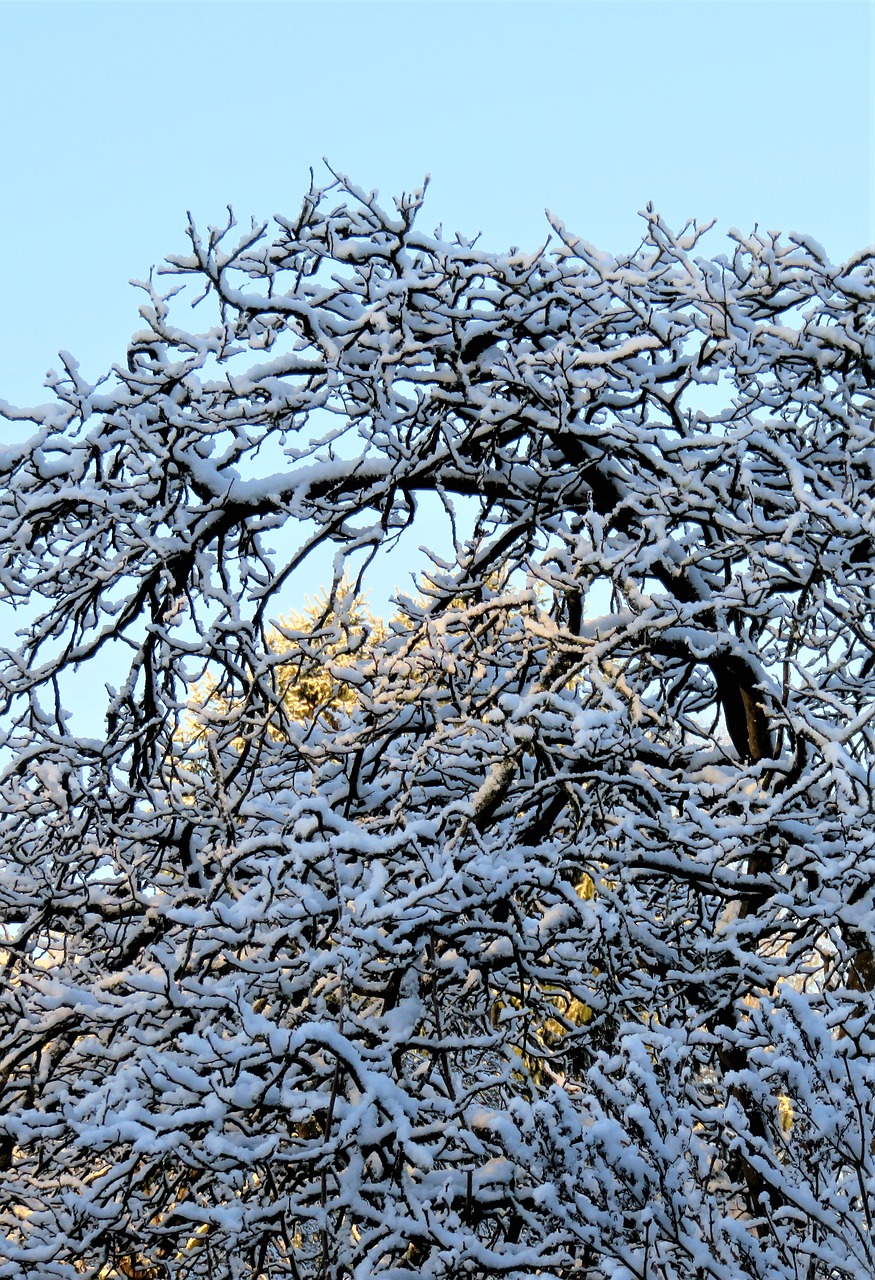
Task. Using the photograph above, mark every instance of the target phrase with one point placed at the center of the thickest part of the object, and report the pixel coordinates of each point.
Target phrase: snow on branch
(527, 932)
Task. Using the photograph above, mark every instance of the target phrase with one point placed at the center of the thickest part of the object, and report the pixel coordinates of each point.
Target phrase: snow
(534, 935)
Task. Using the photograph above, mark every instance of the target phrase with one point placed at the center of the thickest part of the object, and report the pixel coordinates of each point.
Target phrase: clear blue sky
(117, 117)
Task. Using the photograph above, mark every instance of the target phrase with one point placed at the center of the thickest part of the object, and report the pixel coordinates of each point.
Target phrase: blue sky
(117, 117)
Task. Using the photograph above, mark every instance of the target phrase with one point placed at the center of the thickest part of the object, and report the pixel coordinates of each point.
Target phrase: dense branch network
(542, 946)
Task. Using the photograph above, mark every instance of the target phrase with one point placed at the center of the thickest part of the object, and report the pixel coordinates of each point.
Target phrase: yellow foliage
(312, 680)
(321, 641)
(786, 1115)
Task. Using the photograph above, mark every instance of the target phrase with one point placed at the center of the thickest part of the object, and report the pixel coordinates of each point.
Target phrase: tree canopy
(542, 944)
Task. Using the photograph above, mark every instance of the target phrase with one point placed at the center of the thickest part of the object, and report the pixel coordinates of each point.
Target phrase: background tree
(548, 953)
(320, 649)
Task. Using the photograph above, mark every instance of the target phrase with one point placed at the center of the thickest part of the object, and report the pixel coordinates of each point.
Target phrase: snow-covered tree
(545, 950)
